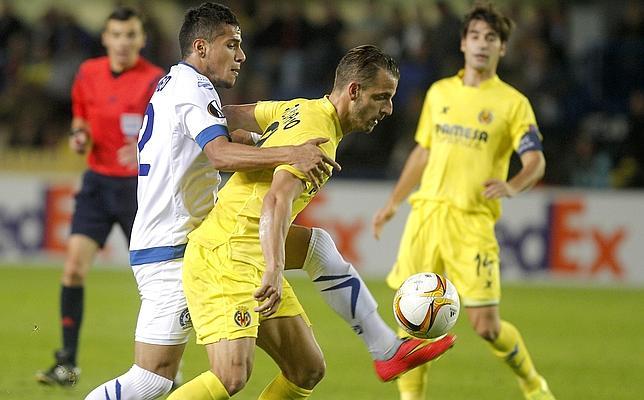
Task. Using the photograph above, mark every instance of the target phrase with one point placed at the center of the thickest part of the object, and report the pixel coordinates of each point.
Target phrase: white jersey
(177, 184)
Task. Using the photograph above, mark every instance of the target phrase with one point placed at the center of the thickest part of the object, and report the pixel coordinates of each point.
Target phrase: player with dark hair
(183, 137)
(234, 262)
(109, 96)
(468, 128)
(185, 111)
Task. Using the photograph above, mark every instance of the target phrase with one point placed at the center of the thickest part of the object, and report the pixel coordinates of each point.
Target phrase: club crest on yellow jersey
(242, 316)
(486, 117)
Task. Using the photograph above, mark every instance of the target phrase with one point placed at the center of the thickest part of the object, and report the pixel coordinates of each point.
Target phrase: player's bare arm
(127, 154)
(274, 224)
(409, 179)
(533, 167)
(79, 135)
(307, 157)
(243, 136)
(241, 116)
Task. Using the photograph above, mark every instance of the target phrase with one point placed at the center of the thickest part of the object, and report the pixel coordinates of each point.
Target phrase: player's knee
(234, 382)
(309, 375)
(74, 272)
(315, 374)
(488, 332)
(234, 378)
(486, 323)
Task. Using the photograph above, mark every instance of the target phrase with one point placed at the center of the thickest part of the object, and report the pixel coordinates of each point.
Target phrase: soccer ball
(426, 305)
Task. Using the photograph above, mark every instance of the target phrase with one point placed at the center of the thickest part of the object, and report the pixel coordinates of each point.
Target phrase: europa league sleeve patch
(215, 110)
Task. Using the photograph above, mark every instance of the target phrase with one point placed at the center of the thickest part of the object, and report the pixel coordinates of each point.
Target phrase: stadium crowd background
(581, 64)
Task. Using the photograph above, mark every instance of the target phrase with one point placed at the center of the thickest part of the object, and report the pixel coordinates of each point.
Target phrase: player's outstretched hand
(495, 189)
(78, 141)
(312, 161)
(126, 155)
(270, 293)
(380, 218)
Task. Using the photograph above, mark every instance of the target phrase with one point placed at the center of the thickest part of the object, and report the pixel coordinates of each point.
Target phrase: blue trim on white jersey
(157, 254)
(210, 133)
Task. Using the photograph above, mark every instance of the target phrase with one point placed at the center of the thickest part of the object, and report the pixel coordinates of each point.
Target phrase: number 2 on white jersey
(148, 124)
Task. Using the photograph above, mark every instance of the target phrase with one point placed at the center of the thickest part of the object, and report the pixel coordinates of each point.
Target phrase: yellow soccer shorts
(219, 291)
(461, 245)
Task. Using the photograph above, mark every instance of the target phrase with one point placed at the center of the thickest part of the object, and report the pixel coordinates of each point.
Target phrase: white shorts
(163, 318)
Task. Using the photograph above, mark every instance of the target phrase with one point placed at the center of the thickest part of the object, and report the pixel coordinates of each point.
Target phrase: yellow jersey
(470, 132)
(235, 217)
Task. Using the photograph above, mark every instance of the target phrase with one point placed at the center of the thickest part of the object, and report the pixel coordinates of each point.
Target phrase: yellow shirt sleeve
(292, 170)
(266, 112)
(313, 127)
(522, 122)
(424, 130)
(328, 148)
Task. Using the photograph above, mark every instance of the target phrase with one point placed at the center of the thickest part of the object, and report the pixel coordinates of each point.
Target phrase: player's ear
(104, 38)
(503, 48)
(354, 90)
(199, 46)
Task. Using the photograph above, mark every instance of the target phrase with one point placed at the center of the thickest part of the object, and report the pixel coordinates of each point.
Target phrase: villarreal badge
(242, 316)
(486, 117)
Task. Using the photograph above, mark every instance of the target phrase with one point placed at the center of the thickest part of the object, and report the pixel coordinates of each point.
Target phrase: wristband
(255, 136)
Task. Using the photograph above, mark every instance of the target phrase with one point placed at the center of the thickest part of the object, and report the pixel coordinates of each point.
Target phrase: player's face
(123, 41)
(482, 47)
(224, 57)
(373, 102)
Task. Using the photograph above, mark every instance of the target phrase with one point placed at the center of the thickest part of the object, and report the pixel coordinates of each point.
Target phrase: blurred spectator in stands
(371, 25)
(43, 80)
(445, 38)
(324, 51)
(287, 34)
(629, 171)
(588, 165)
(293, 43)
(11, 30)
(160, 49)
(623, 60)
(392, 35)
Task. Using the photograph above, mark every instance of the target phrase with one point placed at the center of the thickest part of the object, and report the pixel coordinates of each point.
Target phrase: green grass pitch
(587, 342)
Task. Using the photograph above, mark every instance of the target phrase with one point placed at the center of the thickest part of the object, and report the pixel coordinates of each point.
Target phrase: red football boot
(412, 353)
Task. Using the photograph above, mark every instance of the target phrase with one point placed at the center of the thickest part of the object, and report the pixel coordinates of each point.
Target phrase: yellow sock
(510, 348)
(283, 389)
(413, 384)
(204, 387)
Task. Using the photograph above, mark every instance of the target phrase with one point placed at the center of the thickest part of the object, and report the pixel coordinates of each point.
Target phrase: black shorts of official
(102, 202)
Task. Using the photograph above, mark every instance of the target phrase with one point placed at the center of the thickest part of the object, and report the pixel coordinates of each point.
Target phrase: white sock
(344, 291)
(135, 384)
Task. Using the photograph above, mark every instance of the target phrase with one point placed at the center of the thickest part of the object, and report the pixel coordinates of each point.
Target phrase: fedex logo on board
(36, 226)
(567, 242)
